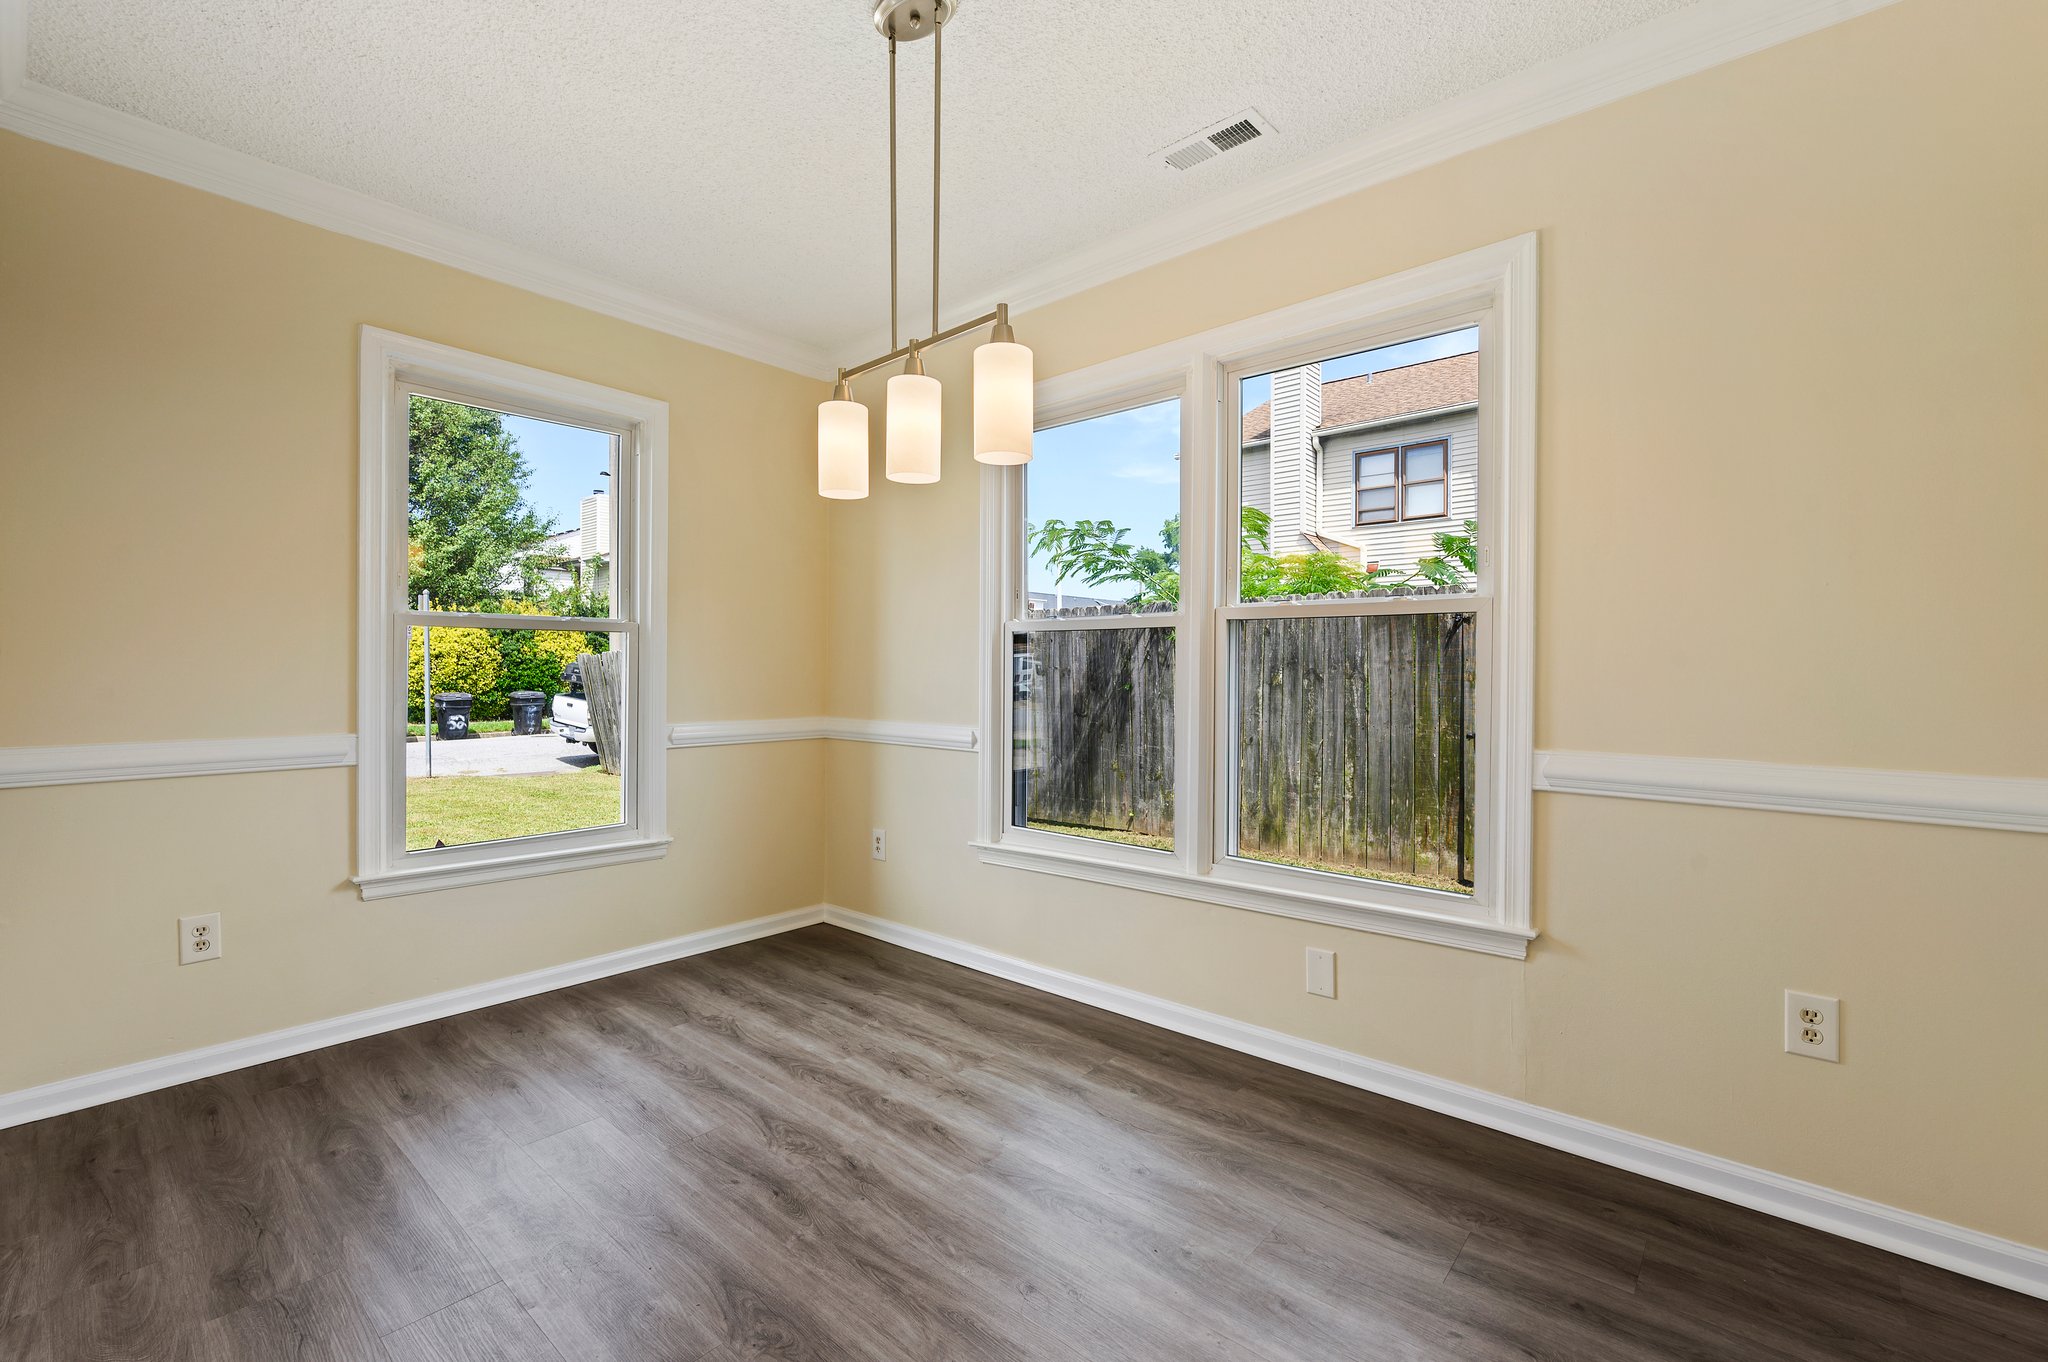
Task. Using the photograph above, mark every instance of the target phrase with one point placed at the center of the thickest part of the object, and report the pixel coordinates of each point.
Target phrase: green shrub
(533, 660)
(464, 660)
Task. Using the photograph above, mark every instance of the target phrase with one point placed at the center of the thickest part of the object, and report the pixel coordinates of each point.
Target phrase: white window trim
(392, 363)
(1495, 287)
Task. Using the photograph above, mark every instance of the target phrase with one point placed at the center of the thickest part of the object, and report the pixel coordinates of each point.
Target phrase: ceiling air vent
(1216, 139)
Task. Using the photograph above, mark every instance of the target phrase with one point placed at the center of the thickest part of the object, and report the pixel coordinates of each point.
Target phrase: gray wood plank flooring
(820, 1147)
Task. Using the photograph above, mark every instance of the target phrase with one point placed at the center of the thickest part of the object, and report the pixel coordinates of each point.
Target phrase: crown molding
(1695, 39)
(47, 115)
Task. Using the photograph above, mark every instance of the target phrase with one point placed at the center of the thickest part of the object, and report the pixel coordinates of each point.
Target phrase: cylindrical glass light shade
(1002, 402)
(842, 450)
(911, 429)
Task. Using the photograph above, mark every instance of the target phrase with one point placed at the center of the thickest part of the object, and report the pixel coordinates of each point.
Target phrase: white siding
(1401, 544)
(1296, 493)
(1254, 479)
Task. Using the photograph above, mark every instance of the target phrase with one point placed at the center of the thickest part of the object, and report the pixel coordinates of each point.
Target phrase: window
(514, 563)
(1269, 699)
(1406, 482)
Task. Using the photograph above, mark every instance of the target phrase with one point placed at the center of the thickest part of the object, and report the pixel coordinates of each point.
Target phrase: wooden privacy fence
(1352, 743)
(1094, 728)
(1353, 748)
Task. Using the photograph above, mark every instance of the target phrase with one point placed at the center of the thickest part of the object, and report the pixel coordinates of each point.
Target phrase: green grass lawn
(459, 810)
(475, 726)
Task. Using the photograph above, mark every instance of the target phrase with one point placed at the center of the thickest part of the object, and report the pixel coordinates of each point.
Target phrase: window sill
(1443, 929)
(456, 875)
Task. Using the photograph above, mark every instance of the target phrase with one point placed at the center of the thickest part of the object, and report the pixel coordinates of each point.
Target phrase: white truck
(569, 714)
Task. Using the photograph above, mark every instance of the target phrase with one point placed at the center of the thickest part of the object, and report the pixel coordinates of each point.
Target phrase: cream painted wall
(1794, 333)
(178, 533)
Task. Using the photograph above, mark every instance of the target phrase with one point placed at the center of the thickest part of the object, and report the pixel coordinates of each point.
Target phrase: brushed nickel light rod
(999, 318)
(894, 254)
(1002, 367)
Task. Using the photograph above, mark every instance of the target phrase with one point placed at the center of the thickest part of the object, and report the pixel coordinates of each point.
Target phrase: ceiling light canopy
(1002, 367)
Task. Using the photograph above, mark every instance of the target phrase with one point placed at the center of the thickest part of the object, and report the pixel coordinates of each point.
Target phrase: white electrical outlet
(198, 938)
(1322, 973)
(1813, 1026)
(879, 847)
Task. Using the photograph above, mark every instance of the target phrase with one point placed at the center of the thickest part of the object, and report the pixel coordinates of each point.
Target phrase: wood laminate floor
(820, 1147)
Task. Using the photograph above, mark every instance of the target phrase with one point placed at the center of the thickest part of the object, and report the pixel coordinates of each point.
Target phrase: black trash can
(526, 708)
(451, 714)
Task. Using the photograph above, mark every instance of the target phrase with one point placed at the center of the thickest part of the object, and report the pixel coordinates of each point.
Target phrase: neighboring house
(1371, 467)
(565, 555)
(1045, 602)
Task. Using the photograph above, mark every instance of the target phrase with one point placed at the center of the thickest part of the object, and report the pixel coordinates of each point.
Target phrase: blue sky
(568, 463)
(1124, 467)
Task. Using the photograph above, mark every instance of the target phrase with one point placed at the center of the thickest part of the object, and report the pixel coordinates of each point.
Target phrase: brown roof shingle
(1449, 382)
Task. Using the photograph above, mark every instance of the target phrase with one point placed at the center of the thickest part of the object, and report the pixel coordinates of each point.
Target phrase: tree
(467, 516)
(1098, 552)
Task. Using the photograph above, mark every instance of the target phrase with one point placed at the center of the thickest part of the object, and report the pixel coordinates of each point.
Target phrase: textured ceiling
(741, 167)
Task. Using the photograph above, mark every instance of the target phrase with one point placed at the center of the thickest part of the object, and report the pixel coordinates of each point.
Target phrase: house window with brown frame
(1402, 482)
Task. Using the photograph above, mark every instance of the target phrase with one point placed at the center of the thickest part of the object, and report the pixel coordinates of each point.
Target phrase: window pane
(1092, 734)
(506, 747)
(1425, 462)
(1376, 470)
(1355, 747)
(1102, 514)
(1425, 500)
(506, 513)
(1317, 436)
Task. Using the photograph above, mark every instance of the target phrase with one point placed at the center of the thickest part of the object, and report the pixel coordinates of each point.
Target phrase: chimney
(596, 538)
(1297, 494)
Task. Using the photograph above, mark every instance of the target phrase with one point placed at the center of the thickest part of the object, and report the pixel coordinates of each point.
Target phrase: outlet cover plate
(878, 846)
(1322, 973)
(198, 938)
(1813, 1026)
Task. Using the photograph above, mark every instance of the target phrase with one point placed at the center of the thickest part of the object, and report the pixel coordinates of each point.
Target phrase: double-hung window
(1402, 482)
(513, 530)
(1205, 679)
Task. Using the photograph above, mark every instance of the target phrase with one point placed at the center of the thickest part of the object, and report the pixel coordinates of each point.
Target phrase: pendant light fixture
(1002, 368)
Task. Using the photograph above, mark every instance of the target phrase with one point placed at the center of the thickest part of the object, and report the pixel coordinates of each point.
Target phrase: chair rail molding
(26, 766)
(889, 732)
(2003, 803)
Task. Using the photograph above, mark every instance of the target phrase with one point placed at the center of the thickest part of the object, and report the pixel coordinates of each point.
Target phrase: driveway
(538, 754)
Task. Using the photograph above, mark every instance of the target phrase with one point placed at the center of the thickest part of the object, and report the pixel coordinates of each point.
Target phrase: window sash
(456, 619)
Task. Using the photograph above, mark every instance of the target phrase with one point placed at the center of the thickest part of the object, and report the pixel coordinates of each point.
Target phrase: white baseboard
(111, 1085)
(2003, 1262)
